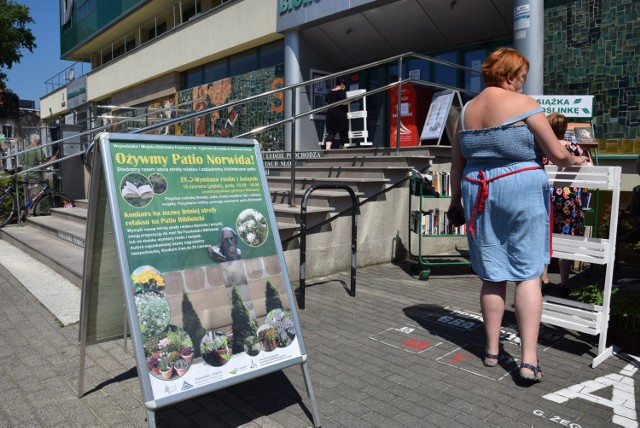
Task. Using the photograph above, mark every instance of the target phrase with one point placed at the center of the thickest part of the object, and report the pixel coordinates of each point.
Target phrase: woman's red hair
(502, 65)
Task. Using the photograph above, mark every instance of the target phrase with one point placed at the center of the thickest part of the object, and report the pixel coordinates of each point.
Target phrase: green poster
(186, 205)
(206, 289)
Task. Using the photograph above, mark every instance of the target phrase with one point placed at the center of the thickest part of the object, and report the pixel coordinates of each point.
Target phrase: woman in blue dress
(497, 176)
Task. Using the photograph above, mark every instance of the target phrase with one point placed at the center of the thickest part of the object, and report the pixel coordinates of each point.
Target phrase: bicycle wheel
(7, 208)
(52, 200)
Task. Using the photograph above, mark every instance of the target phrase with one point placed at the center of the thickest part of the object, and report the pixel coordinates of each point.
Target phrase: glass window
(243, 62)
(215, 71)
(272, 54)
(393, 72)
(474, 59)
(445, 74)
(82, 12)
(193, 78)
(91, 6)
(417, 68)
(85, 9)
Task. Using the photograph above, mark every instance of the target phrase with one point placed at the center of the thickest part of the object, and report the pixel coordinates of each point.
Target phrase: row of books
(441, 182)
(434, 222)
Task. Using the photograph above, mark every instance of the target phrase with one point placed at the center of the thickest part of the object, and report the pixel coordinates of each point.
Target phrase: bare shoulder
(516, 104)
(517, 100)
(527, 101)
(493, 106)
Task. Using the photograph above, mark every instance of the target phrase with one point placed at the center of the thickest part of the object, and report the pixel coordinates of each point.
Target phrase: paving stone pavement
(402, 352)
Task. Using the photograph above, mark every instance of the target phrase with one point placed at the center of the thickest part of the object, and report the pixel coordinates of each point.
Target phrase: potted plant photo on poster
(169, 355)
(214, 349)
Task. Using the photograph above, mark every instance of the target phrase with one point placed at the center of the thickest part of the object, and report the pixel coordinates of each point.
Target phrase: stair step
(286, 208)
(319, 193)
(75, 214)
(333, 180)
(367, 157)
(339, 199)
(282, 226)
(81, 203)
(70, 231)
(341, 171)
(63, 257)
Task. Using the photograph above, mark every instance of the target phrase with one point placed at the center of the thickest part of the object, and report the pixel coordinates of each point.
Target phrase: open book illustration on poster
(130, 190)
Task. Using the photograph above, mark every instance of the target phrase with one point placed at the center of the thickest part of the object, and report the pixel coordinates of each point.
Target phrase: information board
(437, 116)
(206, 291)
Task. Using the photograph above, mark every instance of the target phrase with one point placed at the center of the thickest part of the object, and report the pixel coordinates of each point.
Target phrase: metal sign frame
(441, 116)
(202, 161)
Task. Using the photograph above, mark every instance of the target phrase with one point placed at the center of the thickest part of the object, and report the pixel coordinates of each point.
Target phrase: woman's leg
(330, 134)
(492, 302)
(528, 304)
(565, 270)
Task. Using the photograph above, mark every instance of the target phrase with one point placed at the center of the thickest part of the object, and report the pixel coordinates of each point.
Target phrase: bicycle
(39, 205)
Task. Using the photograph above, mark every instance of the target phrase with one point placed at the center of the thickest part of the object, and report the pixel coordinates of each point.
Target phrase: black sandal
(491, 357)
(531, 378)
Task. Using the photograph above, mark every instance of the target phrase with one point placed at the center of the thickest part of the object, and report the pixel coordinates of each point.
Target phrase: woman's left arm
(458, 163)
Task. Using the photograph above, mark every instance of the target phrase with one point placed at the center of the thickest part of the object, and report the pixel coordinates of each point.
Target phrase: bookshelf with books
(434, 222)
(434, 185)
(432, 192)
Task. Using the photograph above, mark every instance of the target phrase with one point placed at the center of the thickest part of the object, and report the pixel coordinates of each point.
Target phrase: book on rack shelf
(433, 222)
(441, 182)
(428, 223)
(415, 222)
(422, 184)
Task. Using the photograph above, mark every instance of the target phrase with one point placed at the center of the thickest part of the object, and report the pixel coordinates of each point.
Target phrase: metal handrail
(89, 133)
(294, 86)
(294, 115)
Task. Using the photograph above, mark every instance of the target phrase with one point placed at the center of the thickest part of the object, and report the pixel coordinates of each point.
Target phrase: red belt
(483, 191)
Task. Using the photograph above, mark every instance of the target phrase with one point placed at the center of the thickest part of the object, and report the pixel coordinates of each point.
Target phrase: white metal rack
(358, 115)
(586, 318)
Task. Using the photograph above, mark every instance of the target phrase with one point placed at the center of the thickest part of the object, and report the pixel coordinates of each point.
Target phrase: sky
(27, 78)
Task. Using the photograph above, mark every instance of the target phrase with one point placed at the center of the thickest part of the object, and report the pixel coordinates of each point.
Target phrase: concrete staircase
(56, 240)
(377, 176)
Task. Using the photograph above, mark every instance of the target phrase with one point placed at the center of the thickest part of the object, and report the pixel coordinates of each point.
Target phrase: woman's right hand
(455, 214)
(582, 161)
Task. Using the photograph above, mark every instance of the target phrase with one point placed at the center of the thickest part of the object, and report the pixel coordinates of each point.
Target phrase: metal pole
(398, 106)
(528, 38)
(292, 76)
(354, 238)
(293, 147)
(303, 248)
